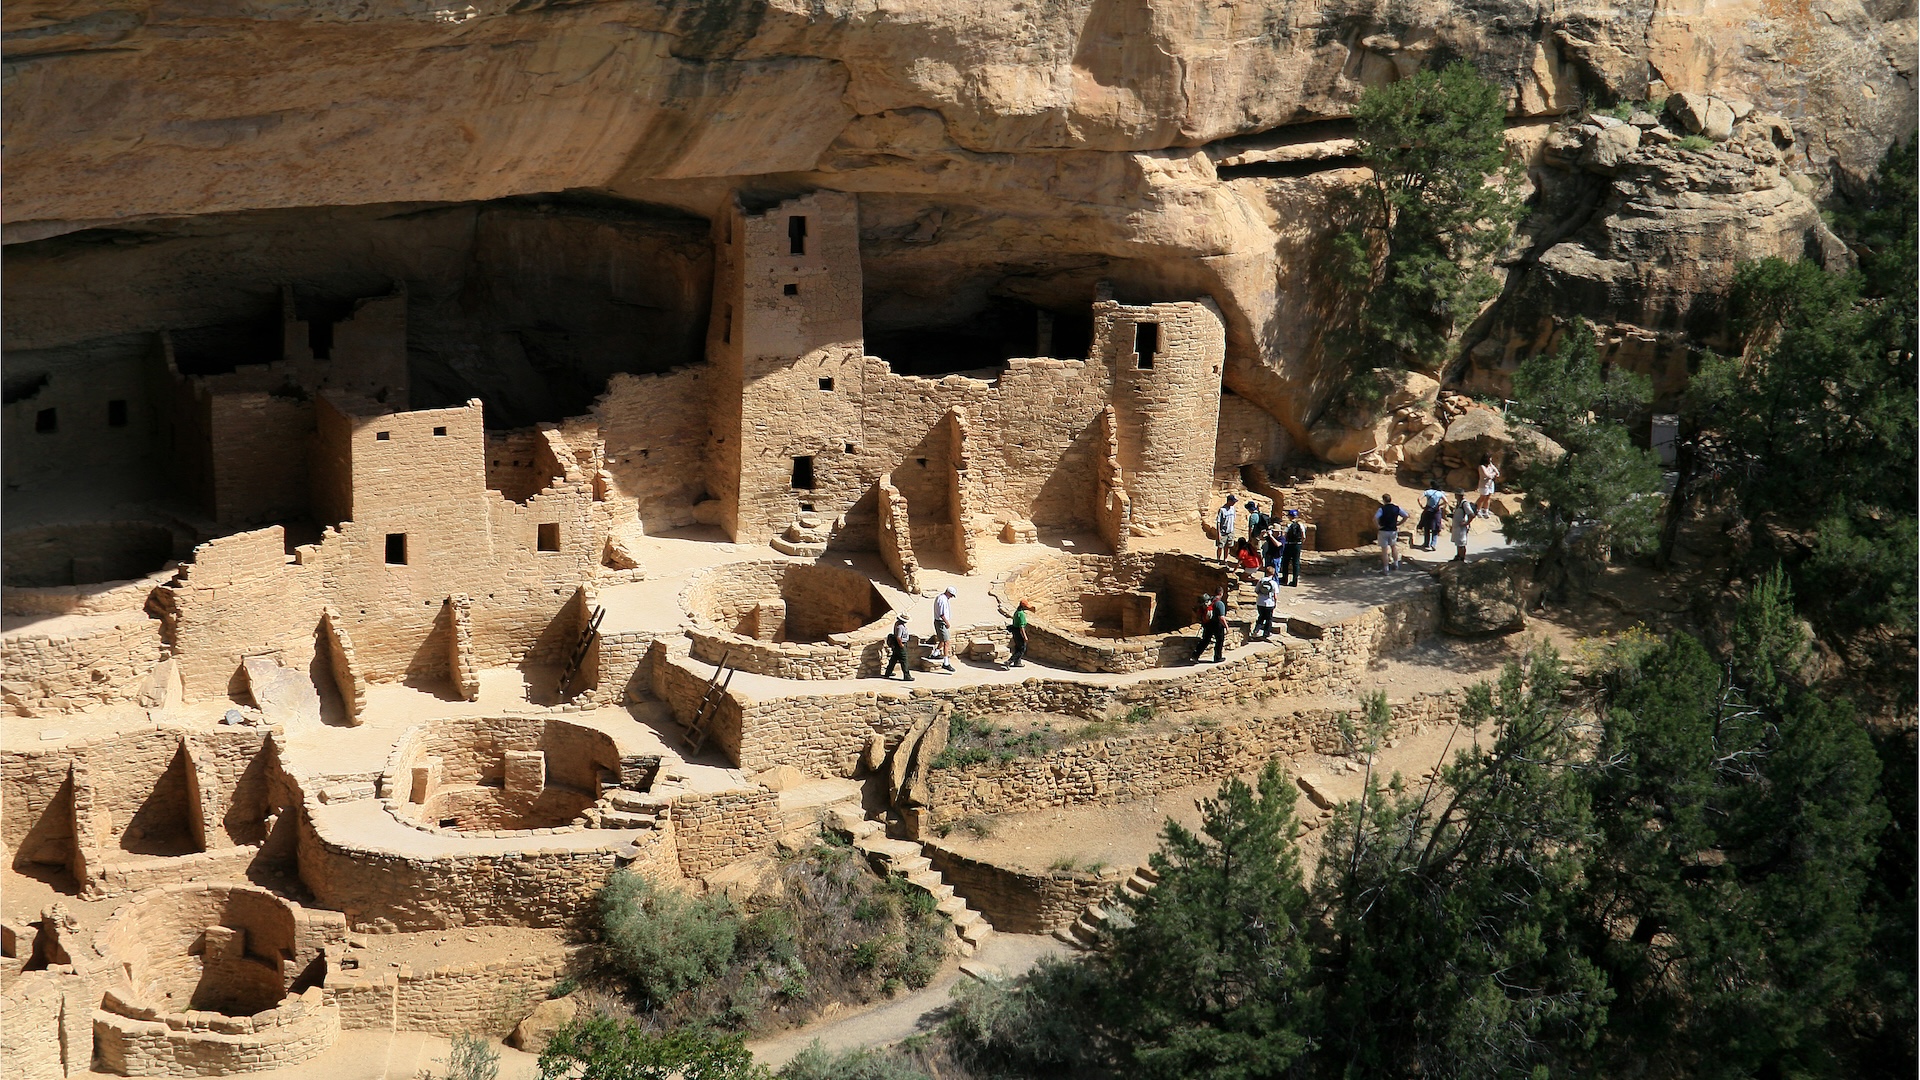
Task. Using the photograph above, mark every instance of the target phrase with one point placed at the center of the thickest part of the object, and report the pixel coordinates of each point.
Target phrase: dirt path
(1005, 955)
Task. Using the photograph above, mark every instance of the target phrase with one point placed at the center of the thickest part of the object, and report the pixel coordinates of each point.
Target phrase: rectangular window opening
(726, 327)
(1146, 342)
(797, 235)
(440, 432)
(383, 436)
(803, 473)
(790, 289)
(46, 421)
(116, 413)
(396, 549)
(826, 384)
(806, 508)
(549, 538)
(850, 448)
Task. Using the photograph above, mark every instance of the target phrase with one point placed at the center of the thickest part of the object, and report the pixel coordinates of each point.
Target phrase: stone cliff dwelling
(400, 544)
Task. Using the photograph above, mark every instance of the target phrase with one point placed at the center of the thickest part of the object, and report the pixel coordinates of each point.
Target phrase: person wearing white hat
(943, 628)
(897, 640)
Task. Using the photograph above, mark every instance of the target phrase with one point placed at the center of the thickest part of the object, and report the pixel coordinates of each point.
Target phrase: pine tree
(1439, 204)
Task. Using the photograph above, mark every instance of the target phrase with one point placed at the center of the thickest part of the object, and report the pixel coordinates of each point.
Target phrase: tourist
(1432, 509)
(1256, 522)
(1244, 554)
(1266, 597)
(897, 648)
(1213, 626)
(943, 628)
(1489, 474)
(1273, 544)
(1019, 631)
(1296, 540)
(1388, 519)
(1462, 518)
(1223, 521)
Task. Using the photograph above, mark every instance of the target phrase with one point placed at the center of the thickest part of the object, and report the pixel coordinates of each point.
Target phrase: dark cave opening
(986, 340)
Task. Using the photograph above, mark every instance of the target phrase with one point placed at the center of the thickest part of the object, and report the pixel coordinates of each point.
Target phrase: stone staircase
(619, 808)
(905, 859)
(806, 538)
(1084, 932)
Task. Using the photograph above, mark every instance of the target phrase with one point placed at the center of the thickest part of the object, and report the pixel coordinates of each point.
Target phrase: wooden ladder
(709, 707)
(579, 657)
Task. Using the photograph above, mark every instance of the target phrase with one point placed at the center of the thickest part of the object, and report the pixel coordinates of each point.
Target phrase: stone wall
(896, 534)
(97, 598)
(487, 998)
(35, 1004)
(1019, 901)
(207, 1044)
(655, 431)
(1167, 403)
(77, 662)
(712, 830)
(1129, 768)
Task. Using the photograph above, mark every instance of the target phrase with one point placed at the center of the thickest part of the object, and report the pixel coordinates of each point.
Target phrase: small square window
(549, 536)
(383, 436)
(850, 448)
(116, 413)
(806, 508)
(826, 384)
(46, 421)
(791, 288)
(396, 549)
(440, 431)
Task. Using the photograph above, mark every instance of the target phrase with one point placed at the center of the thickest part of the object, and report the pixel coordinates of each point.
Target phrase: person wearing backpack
(1214, 626)
(897, 642)
(1296, 539)
(1018, 630)
(1388, 519)
(1463, 515)
(1267, 597)
(1431, 512)
(1257, 522)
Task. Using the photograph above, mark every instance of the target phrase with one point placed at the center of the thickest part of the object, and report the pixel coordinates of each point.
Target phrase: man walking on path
(1432, 502)
(1223, 521)
(1463, 515)
(943, 628)
(1296, 538)
(1019, 631)
(1267, 593)
(1214, 626)
(897, 648)
(1388, 518)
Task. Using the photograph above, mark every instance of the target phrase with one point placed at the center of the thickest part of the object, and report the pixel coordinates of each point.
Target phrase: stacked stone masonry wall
(1019, 901)
(484, 998)
(712, 830)
(65, 669)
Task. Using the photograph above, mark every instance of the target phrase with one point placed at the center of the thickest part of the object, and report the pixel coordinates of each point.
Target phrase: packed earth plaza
(349, 667)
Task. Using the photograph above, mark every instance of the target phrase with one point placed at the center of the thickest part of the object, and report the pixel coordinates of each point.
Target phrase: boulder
(1611, 148)
(781, 778)
(1473, 435)
(1690, 109)
(1341, 436)
(1531, 449)
(531, 1034)
(1481, 598)
(1718, 124)
(284, 695)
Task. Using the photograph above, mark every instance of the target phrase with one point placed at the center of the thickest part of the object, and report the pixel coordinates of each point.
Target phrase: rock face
(1004, 153)
(1640, 236)
(1481, 598)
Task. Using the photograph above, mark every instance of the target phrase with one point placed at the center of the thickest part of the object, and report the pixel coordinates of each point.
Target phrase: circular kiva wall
(1112, 612)
(787, 619)
(498, 774)
(83, 553)
(214, 979)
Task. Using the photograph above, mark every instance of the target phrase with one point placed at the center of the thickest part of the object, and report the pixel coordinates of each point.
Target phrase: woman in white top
(1489, 472)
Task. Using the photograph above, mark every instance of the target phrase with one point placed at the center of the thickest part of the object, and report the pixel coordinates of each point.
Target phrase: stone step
(951, 904)
(1084, 933)
(1064, 935)
(1148, 873)
(934, 885)
(966, 917)
(907, 867)
(888, 848)
(1137, 887)
(976, 935)
(798, 548)
(617, 819)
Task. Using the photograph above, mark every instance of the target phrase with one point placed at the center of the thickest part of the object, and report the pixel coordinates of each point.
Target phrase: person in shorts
(1223, 524)
(1387, 519)
(1489, 478)
(1463, 515)
(943, 628)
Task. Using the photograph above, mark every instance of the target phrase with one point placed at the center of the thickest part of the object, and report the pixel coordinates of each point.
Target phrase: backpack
(1296, 534)
(1265, 589)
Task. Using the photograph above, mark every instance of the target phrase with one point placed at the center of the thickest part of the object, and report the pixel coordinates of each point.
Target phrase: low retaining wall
(1020, 901)
(487, 998)
(57, 670)
(841, 656)
(712, 830)
(1130, 768)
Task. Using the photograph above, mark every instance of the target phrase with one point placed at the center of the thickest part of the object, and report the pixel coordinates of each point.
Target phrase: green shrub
(1695, 142)
(816, 1062)
(472, 1059)
(663, 941)
(609, 1049)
